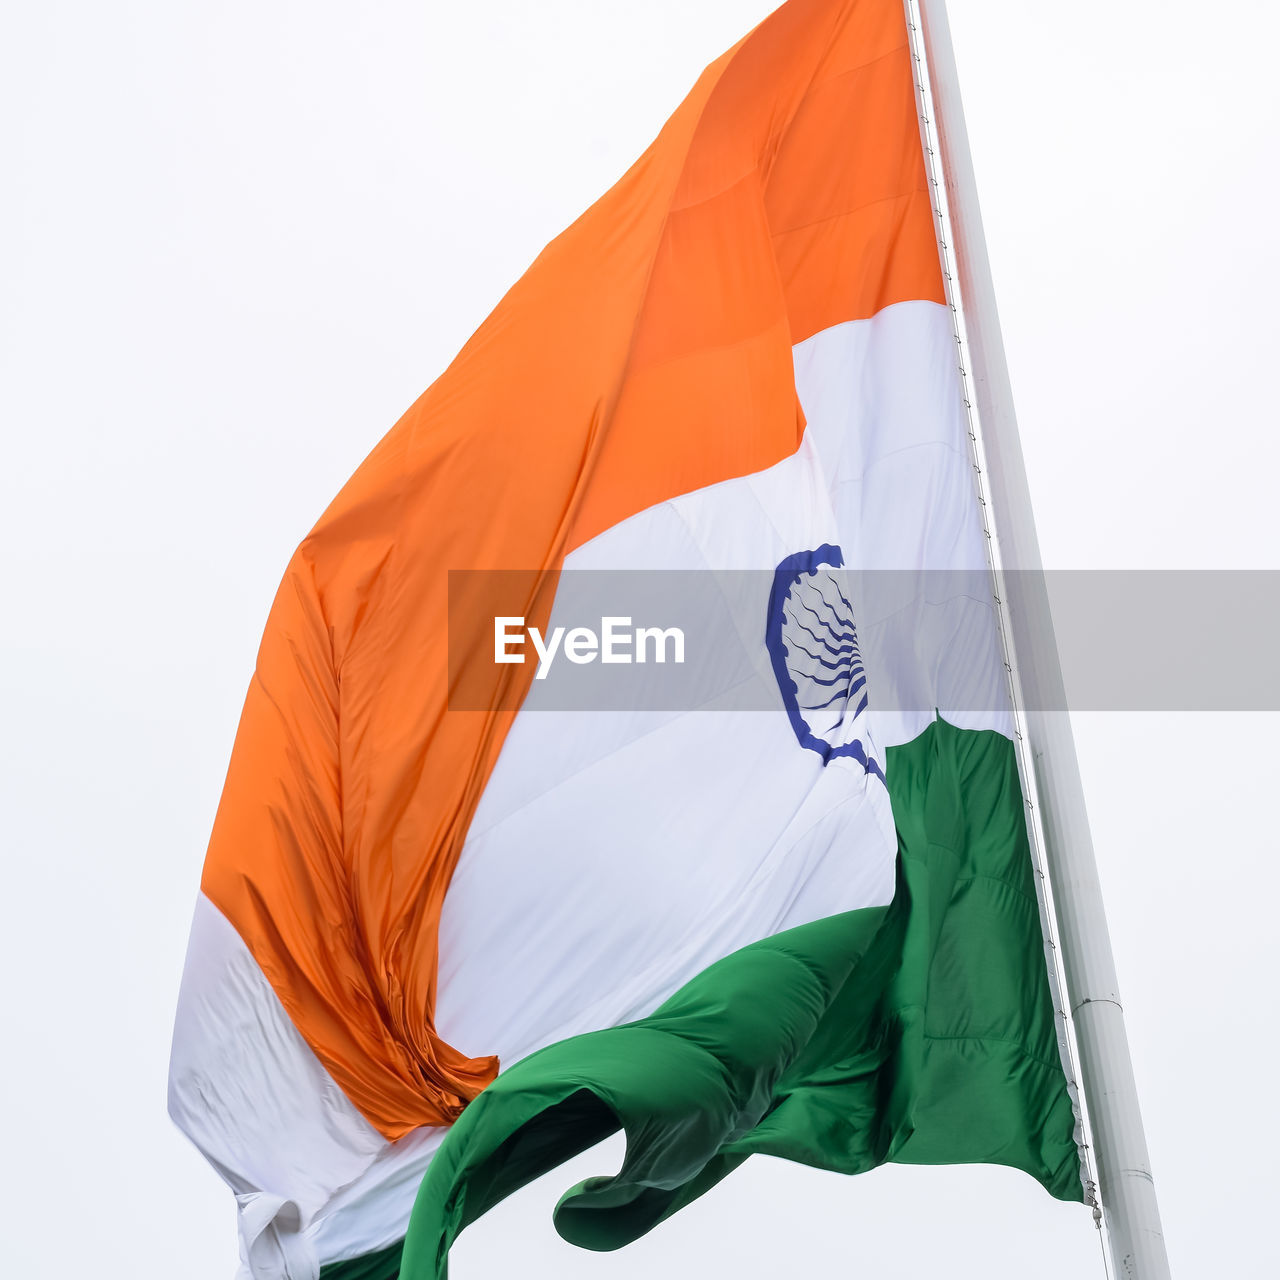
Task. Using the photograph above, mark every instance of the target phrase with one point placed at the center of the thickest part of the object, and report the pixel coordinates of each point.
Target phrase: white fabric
(248, 1091)
(652, 843)
(885, 415)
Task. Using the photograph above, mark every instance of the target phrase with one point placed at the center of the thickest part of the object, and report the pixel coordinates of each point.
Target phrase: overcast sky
(238, 239)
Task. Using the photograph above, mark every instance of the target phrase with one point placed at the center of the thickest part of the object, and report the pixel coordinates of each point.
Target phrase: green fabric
(922, 1032)
(383, 1265)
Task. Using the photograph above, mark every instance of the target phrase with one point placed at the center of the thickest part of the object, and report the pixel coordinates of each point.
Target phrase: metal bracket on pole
(1124, 1175)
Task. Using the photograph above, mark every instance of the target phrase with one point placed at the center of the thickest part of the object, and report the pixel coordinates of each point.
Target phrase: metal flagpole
(1047, 748)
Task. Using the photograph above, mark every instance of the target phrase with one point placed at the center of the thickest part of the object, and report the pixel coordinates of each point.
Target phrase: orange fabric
(647, 352)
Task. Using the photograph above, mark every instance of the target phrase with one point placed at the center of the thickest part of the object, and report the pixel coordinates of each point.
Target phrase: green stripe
(922, 1032)
(383, 1265)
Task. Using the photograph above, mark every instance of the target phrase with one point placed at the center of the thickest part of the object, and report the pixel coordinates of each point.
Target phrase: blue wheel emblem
(813, 645)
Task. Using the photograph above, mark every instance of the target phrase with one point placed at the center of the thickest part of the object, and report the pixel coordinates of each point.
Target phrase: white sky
(238, 239)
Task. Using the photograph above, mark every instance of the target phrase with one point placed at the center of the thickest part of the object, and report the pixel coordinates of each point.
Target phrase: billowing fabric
(914, 1032)
(646, 354)
(740, 359)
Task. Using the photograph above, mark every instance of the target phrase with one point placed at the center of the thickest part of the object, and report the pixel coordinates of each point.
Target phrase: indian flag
(450, 931)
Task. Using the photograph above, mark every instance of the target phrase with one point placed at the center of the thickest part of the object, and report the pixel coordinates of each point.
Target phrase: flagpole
(1124, 1173)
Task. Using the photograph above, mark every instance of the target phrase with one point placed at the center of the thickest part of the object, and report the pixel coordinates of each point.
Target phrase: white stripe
(248, 1091)
(734, 833)
(884, 412)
